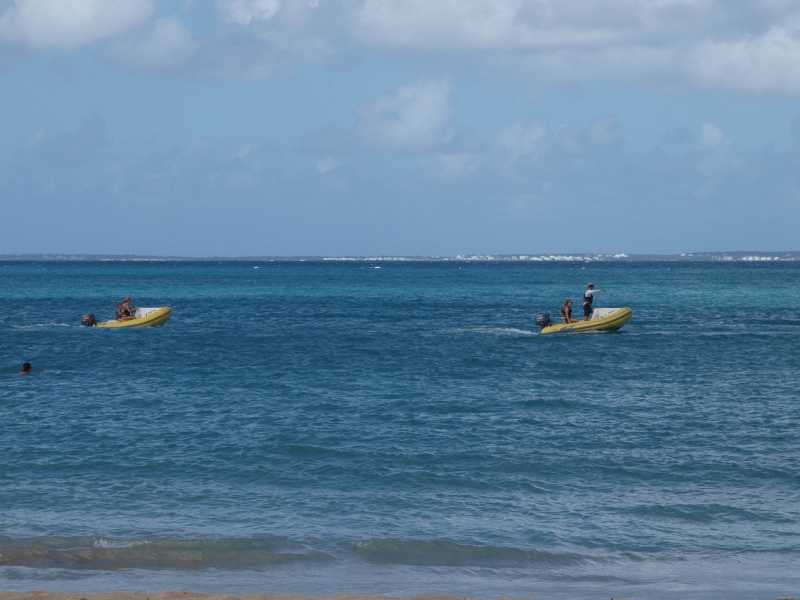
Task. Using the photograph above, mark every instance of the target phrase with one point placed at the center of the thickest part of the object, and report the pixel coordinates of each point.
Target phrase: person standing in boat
(588, 297)
(566, 312)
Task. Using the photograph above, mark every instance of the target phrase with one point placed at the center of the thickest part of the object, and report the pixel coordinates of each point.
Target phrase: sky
(398, 127)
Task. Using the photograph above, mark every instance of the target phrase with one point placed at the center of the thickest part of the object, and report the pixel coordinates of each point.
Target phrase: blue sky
(366, 127)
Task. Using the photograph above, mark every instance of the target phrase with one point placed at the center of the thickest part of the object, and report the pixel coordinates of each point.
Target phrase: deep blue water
(328, 427)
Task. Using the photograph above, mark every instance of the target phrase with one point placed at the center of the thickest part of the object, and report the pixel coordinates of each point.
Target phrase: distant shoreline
(181, 595)
(741, 256)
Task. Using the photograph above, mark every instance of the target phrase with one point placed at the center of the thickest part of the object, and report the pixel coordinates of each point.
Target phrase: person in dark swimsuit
(566, 312)
(127, 311)
(588, 297)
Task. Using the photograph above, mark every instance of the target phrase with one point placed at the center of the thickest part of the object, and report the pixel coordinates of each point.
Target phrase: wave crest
(112, 554)
(450, 554)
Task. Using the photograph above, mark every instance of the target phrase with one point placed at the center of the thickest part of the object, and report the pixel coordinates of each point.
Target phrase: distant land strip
(185, 595)
(746, 256)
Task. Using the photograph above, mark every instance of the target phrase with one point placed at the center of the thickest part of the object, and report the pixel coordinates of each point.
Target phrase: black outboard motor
(543, 320)
(88, 320)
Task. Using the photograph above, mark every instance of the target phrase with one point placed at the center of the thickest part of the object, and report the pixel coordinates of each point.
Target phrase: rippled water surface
(320, 428)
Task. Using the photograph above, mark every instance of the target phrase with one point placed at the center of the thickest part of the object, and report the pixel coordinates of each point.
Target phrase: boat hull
(611, 322)
(153, 319)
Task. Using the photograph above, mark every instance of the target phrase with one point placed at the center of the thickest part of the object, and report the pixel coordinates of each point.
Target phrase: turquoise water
(323, 428)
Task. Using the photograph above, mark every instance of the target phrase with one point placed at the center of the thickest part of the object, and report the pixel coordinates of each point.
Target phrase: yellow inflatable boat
(603, 319)
(144, 317)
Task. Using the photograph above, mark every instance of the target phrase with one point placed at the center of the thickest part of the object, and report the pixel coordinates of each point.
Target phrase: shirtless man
(566, 312)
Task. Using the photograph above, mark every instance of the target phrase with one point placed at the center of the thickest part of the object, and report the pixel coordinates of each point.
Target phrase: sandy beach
(181, 595)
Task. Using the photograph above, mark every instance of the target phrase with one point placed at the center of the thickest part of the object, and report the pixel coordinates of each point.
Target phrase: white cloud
(713, 137)
(244, 12)
(67, 149)
(715, 162)
(603, 131)
(166, 44)
(768, 63)
(262, 38)
(69, 24)
(452, 167)
(520, 139)
(243, 152)
(413, 118)
(739, 47)
(453, 24)
(600, 135)
(328, 165)
(558, 24)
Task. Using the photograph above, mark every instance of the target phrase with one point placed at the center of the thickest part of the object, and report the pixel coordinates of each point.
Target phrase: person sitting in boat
(127, 312)
(566, 312)
(588, 297)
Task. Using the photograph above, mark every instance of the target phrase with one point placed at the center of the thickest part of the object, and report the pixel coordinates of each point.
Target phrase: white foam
(495, 330)
(101, 543)
(41, 325)
(513, 331)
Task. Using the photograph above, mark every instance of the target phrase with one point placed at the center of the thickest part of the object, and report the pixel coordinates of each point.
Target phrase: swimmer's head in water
(26, 367)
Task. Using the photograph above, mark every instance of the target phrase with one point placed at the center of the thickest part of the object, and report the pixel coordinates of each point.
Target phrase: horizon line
(729, 255)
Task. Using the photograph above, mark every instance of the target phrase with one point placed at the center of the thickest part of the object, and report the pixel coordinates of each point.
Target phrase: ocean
(402, 428)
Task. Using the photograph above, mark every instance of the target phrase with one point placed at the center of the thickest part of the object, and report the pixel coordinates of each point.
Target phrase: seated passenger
(566, 312)
(128, 311)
